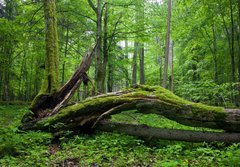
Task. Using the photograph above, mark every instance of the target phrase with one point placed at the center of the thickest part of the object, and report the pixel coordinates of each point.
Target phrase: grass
(106, 149)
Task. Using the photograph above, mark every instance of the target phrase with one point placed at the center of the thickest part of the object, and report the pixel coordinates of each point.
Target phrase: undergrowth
(31, 148)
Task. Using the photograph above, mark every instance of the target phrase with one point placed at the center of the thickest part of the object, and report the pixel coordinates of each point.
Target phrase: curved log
(145, 99)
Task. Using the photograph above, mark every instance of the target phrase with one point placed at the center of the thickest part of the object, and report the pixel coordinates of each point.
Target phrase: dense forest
(201, 37)
(96, 53)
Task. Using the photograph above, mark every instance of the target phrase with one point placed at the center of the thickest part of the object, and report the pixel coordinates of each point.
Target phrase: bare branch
(92, 6)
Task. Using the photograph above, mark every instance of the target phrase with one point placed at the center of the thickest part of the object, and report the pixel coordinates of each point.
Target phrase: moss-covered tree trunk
(144, 99)
(51, 78)
(50, 83)
(51, 98)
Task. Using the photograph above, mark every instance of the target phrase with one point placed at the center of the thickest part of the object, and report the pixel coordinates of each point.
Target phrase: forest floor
(33, 148)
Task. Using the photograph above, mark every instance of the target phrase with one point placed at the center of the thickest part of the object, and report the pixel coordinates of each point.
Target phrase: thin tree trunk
(126, 58)
(239, 42)
(134, 64)
(232, 43)
(105, 47)
(171, 66)
(141, 60)
(110, 77)
(65, 53)
(21, 79)
(167, 44)
(160, 70)
(99, 64)
(228, 39)
(6, 86)
(215, 53)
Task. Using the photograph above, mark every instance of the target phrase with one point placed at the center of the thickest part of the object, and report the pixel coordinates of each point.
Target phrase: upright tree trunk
(229, 39)
(50, 83)
(215, 53)
(6, 86)
(167, 44)
(105, 47)
(126, 57)
(160, 70)
(99, 64)
(171, 66)
(232, 43)
(141, 60)
(239, 42)
(134, 64)
(65, 53)
(110, 77)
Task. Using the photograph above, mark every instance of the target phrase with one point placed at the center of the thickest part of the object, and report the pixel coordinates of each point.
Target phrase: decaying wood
(168, 134)
(144, 99)
(50, 113)
(56, 101)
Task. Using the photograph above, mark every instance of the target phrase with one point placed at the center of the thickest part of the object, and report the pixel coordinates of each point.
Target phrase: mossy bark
(51, 79)
(50, 83)
(146, 100)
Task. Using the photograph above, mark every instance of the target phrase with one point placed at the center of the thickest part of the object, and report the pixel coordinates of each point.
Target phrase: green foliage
(208, 92)
(14, 143)
(107, 149)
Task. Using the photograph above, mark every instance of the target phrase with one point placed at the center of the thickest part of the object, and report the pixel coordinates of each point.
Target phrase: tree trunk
(232, 43)
(229, 39)
(239, 43)
(110, 77)
(167, 44)
(141, 61)
(46, 104)
(105, 48)
(168, 134)
(51, 79)
(144, 99)
(65, 53)
(171, 66)
(99, 64)
(126, 58)
(215, 53)
(134, 64)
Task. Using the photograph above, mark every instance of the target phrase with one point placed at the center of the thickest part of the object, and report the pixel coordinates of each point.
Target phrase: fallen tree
(50, 113)
(144, 99)
(168, 134)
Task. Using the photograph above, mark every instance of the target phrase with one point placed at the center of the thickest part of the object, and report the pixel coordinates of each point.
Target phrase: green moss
(166, 104)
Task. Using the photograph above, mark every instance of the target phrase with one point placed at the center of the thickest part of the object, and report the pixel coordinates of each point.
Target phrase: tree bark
(126, 70)
(51, 79)
(232, 42)
(171, 65)
(167, 44)
(105, 47)
(45, 104)
(168, 134)
(141, 61)
(134, 64)
(144, 99)
(99, 64)
(65, 52)
(215, 53)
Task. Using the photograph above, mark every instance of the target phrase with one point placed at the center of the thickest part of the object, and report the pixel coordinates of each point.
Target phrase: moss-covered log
(145, 99)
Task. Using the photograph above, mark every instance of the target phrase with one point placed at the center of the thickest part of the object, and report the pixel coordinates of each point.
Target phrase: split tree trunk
(45, 104)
